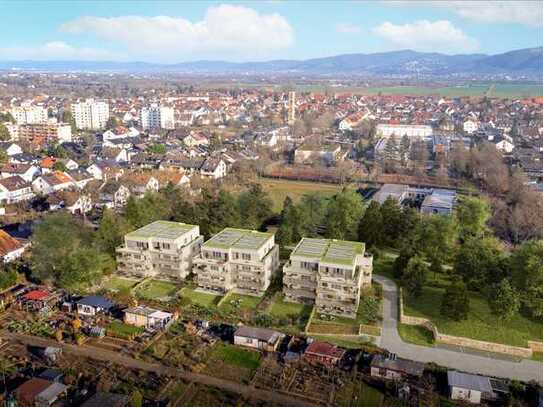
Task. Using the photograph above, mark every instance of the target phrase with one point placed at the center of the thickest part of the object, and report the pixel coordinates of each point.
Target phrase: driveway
(524, 369)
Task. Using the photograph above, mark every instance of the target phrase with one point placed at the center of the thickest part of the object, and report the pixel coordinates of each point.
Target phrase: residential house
(10, 248)
(262, 339)
(469, 387)
(113, 194)
(26, 171)
(237, 259)
(40, 392)
(328, 273)
(395, 368)
(214, 168)
(147, 317)
(10, 148)
(105, 169)
(140, 182)
(119, 155)
(324, 353)
(161, 249)
(93, 305)
(75, 202)
(15, 189)
(49, 183)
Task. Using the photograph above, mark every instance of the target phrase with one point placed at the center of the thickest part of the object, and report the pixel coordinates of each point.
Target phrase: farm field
(157, 290)
(279, 189)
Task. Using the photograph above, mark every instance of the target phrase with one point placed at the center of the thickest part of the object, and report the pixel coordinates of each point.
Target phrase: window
(248, 340)
(166, 246)
(245, 256)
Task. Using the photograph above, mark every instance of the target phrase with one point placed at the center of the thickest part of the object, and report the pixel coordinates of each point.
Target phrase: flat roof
(231, 238)
(329, 250)
(161, 229)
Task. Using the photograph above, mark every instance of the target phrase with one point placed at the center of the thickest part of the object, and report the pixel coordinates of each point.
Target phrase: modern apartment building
(90, 114)
(29, 114)
(329, 274)
(156, 116)
(237, 259)
(162, 249)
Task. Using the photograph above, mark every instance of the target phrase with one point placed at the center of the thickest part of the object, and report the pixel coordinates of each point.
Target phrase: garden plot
(157, 290)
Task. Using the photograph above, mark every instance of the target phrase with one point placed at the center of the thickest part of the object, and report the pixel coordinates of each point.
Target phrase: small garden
(192, 296)
(118, 329)
(239, 305)
(157, 290)
(116, 283)
(290, 316)
(232, 362)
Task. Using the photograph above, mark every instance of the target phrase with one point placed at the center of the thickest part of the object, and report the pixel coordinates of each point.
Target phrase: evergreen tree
(414, 276)
(504, 300)
(403, 149)
(370, 228)
(343, 216)
(455, 302)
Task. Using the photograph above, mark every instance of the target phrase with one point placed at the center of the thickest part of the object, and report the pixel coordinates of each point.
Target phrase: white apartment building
(90, 114)
(237, 259)
(400, 130)
(328, 273)
(29, 114)
(162, 249)
(156, 116)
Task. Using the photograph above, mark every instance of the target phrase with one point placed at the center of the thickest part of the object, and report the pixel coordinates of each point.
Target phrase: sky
(181, 31)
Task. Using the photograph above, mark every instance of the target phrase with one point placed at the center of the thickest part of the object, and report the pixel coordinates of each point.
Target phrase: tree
(152, 207)
(112, 122)
(404, 149)
(343, 215)
(157, 149)
(137, 399)
(473, 214)
(312, 209)
(67, 117)
(414, 276)
(4, 133)
(110, 232)
(255, 207)
(59, 166)
(4, 157)
(478, 262)
(6, 117)
(391, 213)
(455, 302)
(370, 228)
(527, 276)
(400, 263)
(504, 300)
(223, 212)
(7, 367)
(436, 236)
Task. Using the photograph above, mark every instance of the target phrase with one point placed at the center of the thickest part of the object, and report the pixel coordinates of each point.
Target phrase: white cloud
(424, 35)
(55, 50)
(347, 28)
(225, 30)
(526, 12)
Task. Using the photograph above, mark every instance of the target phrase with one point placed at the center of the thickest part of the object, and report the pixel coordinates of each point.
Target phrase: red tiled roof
(8, 243)
(325, 349)
(36, 295)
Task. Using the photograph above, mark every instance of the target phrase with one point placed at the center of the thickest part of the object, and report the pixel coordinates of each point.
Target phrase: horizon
(250, 31)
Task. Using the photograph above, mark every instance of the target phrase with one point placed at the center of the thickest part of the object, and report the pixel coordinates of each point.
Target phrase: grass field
(416, 334)
(200, 298)
(282, 309)
(116, 283)
(157, 290)
(237, 303)
(280, 189)
(234, 355)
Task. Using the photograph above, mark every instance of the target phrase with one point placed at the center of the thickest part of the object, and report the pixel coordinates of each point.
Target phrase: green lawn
(157, 290)
(481, 323)
(123, 329)
(234, 355)
(280, 189)
(200, 298)
(236, 303)
(343, 341)
(116, 283)
(416, 334)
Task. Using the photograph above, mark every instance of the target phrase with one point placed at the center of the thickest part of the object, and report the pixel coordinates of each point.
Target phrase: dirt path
(108, 356)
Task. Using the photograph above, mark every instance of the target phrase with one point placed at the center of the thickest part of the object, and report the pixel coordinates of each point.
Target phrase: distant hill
(526, 61)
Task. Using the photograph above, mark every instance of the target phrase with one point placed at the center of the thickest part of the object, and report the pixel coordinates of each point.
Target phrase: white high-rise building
(291, 107)
(155, 116)
(90, 114)
(29, 114)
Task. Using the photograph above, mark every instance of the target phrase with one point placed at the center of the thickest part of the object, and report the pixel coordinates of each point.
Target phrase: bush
(455, 302)
(7, 279)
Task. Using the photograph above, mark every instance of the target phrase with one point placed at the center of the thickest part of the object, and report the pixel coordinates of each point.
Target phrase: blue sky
(170, 31)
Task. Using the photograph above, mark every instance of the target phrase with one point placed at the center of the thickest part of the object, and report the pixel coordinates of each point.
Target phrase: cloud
(347, 28)
(56, 50)
(225, 30)
(424, 35)
(524, 12)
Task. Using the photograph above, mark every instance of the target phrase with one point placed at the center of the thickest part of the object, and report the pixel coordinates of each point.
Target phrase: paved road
(525, 369)
(109, 356)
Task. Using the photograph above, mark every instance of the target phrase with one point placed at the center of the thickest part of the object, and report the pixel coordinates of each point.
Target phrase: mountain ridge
(528, 61)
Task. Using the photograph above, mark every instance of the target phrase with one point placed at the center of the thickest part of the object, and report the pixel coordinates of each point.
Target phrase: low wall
(468, 342)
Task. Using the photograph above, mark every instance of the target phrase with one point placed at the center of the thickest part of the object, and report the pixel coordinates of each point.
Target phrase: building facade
(161, 249)
(237, 259)
(328, 273)
(29, 114)
(155, 116)
(90, 114)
